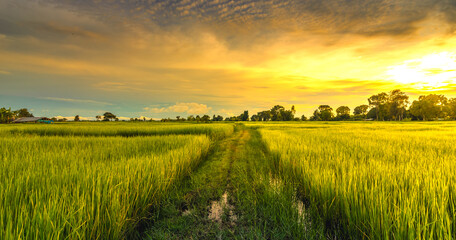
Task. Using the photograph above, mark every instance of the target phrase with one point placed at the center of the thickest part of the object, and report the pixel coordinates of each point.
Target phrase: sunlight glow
(434, 70)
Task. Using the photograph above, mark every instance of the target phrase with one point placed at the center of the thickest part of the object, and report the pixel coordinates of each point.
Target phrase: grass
(376, 181)
(123, 129)
(91, 185)
(310, 180)
(259, 206)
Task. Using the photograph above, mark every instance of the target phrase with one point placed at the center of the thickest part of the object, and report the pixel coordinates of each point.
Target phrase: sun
(431, 71)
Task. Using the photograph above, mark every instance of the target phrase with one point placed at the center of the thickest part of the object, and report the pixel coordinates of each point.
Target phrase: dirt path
(201, 207)
(232, 195)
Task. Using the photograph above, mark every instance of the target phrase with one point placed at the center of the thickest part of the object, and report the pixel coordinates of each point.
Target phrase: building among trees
(33, 120)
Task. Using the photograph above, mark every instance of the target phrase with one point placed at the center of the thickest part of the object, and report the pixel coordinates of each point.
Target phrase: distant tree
(451, 108)
(293, 110)
(54, 119)
(244, 116)
(287, 115)
(429, 107)
(343, 113)
(398, 102)
(303, 118)
(315, 116)
(265, 115)
(76, 118)
(361, 110)
(323, 113)
(6, 115)
(108, 116)
(23, 112)
(191, 118)
(198, 118)
(205, 118)
(217, 118)
(178, 118)
(254, 117)
(276, 113)
(98, 117)
(378, 102)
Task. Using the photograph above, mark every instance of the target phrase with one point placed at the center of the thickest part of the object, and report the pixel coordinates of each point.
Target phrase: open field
(300, 180)
(86, 182)
(376, 180)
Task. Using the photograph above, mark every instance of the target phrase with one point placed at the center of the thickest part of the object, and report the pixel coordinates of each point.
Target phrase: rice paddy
(376, 181)
(89, 182)
(306, 180)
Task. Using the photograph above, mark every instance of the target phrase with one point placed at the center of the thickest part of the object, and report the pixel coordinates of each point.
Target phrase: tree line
(391, 106)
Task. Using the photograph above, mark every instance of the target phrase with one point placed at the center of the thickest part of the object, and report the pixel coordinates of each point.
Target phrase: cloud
(75, 100)
(190, 108)
(256, 18)
(4, 72)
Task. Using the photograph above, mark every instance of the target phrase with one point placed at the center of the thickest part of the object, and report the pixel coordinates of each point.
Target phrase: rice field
(356, 180)
(91, 181)
(372, 180)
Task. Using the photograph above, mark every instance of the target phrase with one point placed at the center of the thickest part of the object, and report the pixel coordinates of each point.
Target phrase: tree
(264, 115)
(108, 116)
(6, 115)
(279, 113)
(98, 117)
(244, 116)
(343, 113)
(254, 117)
(429, 107)
(361, 110)
(303, 118)
(315, 116)
(293, 110)
(451, 108)
(378, 102)
(217, 118)
(76, 118)
(398, 102)
(205, 118)
(287, 115)
(276, 113)
(323, 113)
(23, 112)
(191, 118)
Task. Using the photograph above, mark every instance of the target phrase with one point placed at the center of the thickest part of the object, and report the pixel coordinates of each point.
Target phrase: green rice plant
(124, 129)
(54, 187)
(372, 180)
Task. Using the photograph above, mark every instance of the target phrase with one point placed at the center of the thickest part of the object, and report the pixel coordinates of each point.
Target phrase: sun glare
(431, 71)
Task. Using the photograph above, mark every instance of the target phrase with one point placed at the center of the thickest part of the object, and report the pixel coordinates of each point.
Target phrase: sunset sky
(159, 59)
